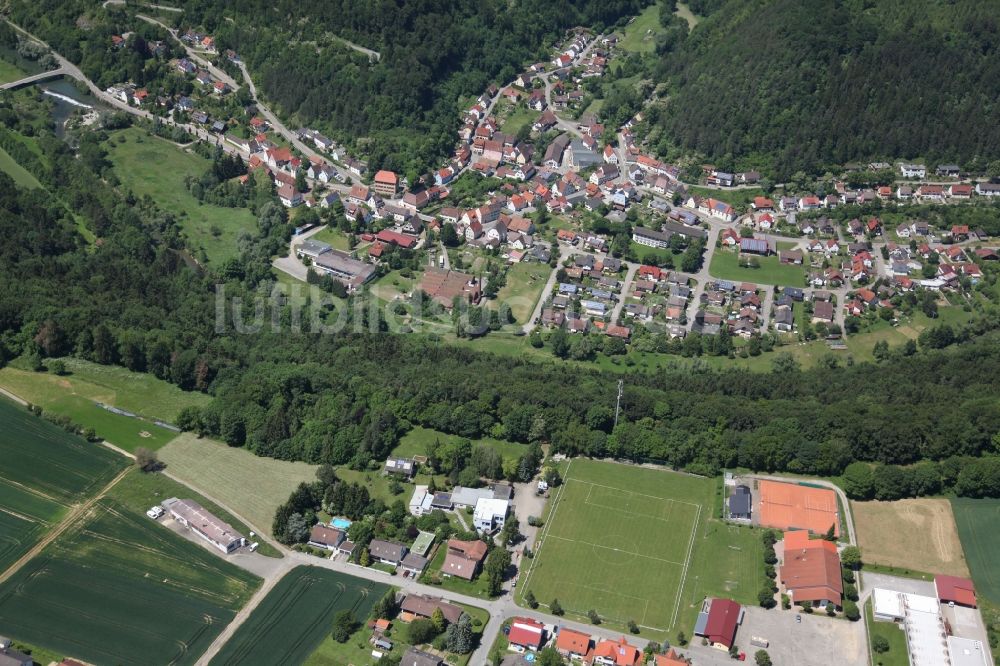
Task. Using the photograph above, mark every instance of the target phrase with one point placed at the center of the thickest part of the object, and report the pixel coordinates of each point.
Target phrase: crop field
(253, 485)
(918, 534)
(156, 167)
(295, 616)
(44, 471)
(634, 543)
(118, 588)
(978, 522)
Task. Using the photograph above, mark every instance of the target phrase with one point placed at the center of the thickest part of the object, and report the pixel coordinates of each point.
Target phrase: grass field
(149, 165)
(295, 616)
(898, 655)
(726, 265)
(120, 588)
(640, 544)
(10, 72)
(75, 396)
(137, 492)
(252, 485)
(335, 237)
(917, 534)
(525, 282)
(137, 392)
(9, 166)
(44, 472)
(978, 522)
(737, 198)
(637, 35)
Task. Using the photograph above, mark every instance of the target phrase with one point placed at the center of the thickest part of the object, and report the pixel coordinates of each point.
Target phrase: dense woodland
(789, 85)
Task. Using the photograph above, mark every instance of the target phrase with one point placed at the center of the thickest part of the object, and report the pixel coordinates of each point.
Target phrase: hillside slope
(800, 84)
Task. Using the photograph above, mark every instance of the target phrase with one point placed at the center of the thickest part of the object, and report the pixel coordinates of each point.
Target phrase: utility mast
(618, 404)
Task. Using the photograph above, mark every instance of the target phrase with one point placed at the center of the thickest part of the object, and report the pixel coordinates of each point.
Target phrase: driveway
(816, 641)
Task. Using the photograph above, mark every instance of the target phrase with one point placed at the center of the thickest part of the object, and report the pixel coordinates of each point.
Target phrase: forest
(401, 111)
(793, 85)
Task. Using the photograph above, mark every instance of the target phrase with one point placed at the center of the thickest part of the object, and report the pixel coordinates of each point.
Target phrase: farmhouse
(955, 590)
(793, 506)
(811, 570)
(717, 622)
(323, 536)
(463, 558)
(526, 634)
(217, 532)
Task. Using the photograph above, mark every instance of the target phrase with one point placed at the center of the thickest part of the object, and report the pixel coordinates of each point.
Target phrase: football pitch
(639, 544)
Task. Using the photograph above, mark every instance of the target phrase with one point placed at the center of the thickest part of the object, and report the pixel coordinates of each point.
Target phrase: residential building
(387, 552)
(572, 644)
(526, 634)
(650, 237)
(326, 537)
(206, 525)
(386, 184)
(463, 558)
(616, 653)
(913, 170)
(405, 467)
(490, 514)
(810, 570)
(415, 657)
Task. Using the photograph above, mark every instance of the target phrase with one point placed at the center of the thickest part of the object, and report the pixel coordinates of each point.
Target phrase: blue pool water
(340, 523)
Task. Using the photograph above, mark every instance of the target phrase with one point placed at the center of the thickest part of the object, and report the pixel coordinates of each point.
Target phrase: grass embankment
(149, 165)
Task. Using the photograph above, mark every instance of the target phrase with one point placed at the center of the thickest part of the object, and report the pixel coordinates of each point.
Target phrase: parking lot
(817, 640)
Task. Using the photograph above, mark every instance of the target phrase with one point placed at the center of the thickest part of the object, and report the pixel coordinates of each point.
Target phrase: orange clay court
(791, 506)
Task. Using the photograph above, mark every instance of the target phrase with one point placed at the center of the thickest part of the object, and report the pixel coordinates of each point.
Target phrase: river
(66, 99)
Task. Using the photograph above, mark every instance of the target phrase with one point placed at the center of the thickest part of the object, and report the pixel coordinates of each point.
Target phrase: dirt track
(918, 534)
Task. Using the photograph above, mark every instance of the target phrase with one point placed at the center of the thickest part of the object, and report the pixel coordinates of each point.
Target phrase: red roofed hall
(811, 570)
(571, 643)
(402, 240)
(526, 633)
(386, 183)
(718, 621)
(952, 589)
(792, 506)
(616, 653)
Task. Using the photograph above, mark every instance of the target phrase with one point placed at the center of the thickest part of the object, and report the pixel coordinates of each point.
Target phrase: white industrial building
(927, 639)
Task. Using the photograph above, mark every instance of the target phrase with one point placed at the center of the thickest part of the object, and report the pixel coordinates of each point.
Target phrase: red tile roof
(387, 177)
(402, 240)
(621, 652)
(953, 588)
(572, 642)
(723, 616)
(811, 569)
(526, 633)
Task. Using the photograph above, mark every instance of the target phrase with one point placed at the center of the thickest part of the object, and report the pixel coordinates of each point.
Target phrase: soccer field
(638, 544)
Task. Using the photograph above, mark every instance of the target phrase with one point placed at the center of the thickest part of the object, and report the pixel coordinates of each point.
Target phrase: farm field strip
(978, 522)
(116, 587)
(295, 616)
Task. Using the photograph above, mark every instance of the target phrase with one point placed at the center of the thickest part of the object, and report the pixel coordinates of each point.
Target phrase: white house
(490, 514)
(913, 170)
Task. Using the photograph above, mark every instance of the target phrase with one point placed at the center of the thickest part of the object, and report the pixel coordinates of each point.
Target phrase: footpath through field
(65, 523)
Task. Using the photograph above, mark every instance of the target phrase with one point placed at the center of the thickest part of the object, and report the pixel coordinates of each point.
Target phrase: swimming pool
(340, 523)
